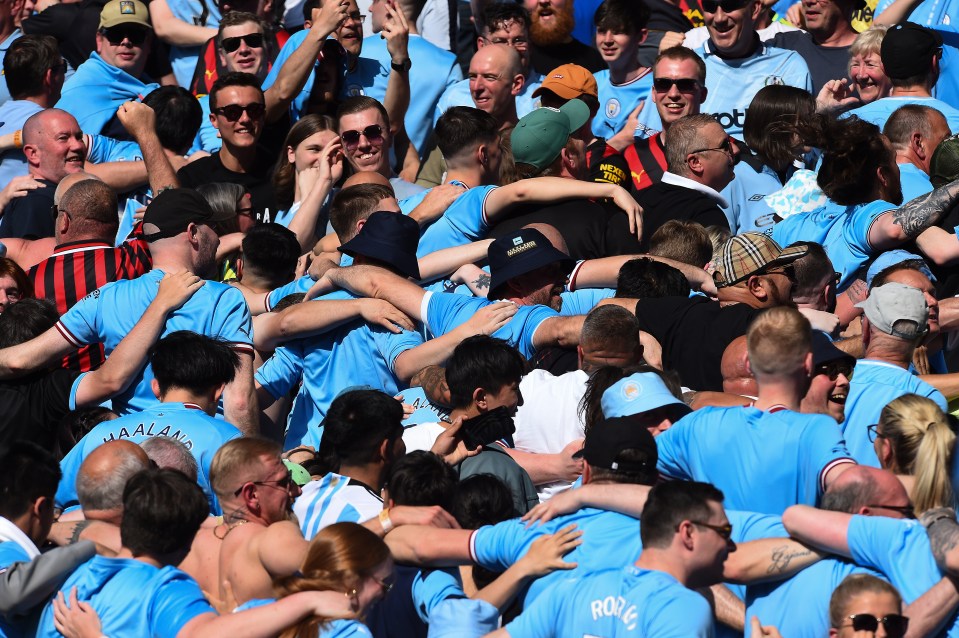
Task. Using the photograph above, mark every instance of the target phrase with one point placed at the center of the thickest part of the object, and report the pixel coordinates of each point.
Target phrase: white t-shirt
(421, 436)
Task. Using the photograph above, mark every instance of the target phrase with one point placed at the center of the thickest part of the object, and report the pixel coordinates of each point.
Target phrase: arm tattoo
(482, 282)
(924, 211)
(433, 381)
(782, 556)
(77, 530)
(944, 538)
(857, 291)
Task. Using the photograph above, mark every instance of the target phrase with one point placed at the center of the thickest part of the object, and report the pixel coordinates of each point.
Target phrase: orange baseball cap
(569, 81)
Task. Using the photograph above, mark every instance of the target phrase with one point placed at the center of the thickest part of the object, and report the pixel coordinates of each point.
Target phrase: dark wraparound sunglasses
(685, 85)
(895, 624)
(116, 35)
(253, 40)
(234, 112)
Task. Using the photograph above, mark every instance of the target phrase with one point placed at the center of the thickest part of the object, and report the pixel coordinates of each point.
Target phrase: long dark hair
(284, 173)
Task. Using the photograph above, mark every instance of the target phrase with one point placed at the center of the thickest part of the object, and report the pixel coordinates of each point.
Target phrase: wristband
(405, 65)
(18, 139)
(385, 521)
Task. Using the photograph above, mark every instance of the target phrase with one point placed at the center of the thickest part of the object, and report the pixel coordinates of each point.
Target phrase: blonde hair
(869, 41)
(341, 555)
(852, 586)
(778, 341)
(922, 444)
(235, 460)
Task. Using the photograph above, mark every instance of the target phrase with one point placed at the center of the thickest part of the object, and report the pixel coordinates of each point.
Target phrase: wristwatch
(403, 66)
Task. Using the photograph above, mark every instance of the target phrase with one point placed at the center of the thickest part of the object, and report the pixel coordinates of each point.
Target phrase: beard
(557, 32)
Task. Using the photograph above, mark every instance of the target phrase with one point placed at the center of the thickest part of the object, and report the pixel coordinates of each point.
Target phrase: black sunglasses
(116, 35)
(906, 510)
(373, 132)
(234, 112)
(726, 531)
(685, 85)
(725, 147)
(895, 624)
(834, 368)
(253, 40)
(283, 484)
(710, 6)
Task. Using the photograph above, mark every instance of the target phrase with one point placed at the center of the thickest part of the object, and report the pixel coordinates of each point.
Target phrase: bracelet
(385, 521)
(18, 139)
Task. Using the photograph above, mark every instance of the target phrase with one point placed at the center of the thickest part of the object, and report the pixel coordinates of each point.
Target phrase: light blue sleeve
(522, 327)
(464, 221)
(300, 284)
(823, 447)
(445, 311)
(672, 447)
(174, 605)
(281, 372)
(232, 320)
(393, 345)
(856, 230)
(106, 149)
(70, 466)
(496, 547)
(431, 587)
(870, 540)
(580, 302)
(463, 618)
(82, 323)
(208, 137)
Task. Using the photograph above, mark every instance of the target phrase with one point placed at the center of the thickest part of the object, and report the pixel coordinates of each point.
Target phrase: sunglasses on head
(373, 132)
(895, 624)
(685, 85)
(833, 369)
(233, 112)
(710, 6)
(253, 40)
(116, 35)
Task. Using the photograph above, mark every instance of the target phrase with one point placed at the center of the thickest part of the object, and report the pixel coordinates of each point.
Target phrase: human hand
(176, 288)
(331, 161)
(671, 39)
(76, 620)
(396, 30)
(634, 212)
(920, 360)
(570, 469)
(491, 318)
(329, 17)
(760, 631)
(795, 15)
(546, 553)
(382, 313)
(18, 187)
(449, 444)
(139, 213)
(433, 516)
(137, 118)
(303, 265)
(559, 504)
(836, 95)
(330, 604)
(821, 320)
(435, 203)
(322, 286)
(408, 409)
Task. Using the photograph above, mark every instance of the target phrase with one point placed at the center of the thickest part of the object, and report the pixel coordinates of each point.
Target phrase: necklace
(229, 528)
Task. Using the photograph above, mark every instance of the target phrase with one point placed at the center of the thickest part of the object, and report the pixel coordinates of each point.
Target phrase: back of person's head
(178, 117)
(76, 424)
(162, 511)
(779, 341)
(360, 103)
(851, 588)
(340, 556)
(25, 320)
(356, 425)
(682, 240)
(422, 478)
(270, 252)
(237, 461)
(191, 361)
(354, 203)
(92, 206)
(769, 128)
(718, 236)
(223, 197)
(810, 271)
(909, 119)
(862, 487)
(853, 151)
(461, 130)
(497, 15)
(482, 499)
(609, 329)
(482, 362)
(671, 503)
(922, 444)
(26, 62)
(169, 453)
(590, 406)
(621, 16)
(646, 278)
(233, 78)
(680, 53)
(284, 173)
(685, 137)
(103, 475)
(29, 473)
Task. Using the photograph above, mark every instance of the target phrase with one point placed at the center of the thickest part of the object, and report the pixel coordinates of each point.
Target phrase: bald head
(867, 490)
(736, 376)
(103, 476)
(500, 56)
(366, 177)
(53, 145)
(495, 77)
(68, 181)
(552, 234)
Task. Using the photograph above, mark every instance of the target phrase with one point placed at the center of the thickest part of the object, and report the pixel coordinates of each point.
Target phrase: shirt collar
(685, 182)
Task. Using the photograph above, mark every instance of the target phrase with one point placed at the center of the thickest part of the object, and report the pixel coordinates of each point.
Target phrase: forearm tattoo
(943, 538)
(482, 282)
(433, 381)
(924, 211)
(77, 530)
(782, 556)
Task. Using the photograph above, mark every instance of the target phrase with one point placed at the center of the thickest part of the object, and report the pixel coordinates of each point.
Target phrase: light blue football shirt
(617, 101)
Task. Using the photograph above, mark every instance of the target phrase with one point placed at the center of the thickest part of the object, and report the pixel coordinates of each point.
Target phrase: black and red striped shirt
(647, 161)
(75, 269)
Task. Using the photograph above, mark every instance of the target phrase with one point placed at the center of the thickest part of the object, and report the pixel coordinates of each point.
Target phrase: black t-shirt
(662, 202)
(546, 58)
(606, 166)
(825, 63)
(694, 333)
(209, 170)
(590, 229)
(30, 216)
(34, 405)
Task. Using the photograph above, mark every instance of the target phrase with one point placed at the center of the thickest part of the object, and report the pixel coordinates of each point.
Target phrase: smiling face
(58, 149)
(732, 32)
(245, 58)
(125, 46)
(492, 87)
(243, 132)
(870, 76)
(674, 103)
(308, 153)
(552, 21)
(371, 152)
(618, 49)
(350, 32)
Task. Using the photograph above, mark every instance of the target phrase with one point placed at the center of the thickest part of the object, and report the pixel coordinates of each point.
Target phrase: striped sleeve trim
(828, 468)
(66, 334)
(472, 547)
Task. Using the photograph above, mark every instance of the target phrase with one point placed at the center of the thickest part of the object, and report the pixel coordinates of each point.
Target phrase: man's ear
(479, 398)
(155, 387)
(518, 82)
(757, 287)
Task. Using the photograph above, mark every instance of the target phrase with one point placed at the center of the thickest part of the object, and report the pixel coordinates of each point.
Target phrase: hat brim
(520, 266)
(386, 253)
(786, 257)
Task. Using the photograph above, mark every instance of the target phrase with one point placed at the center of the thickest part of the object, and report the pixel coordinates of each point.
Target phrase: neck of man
(254, 284)
(742, 49)
(171, 263)
(469, 175)
(907, 156)
(915, 90)
(44, 100)
(238, 160)
(468, 412)
(370, 475)
(149, 560)
(508, 118)
(887, 353)
(621, 73)
(663, 560)
(841, 36)
(784, 391)
(207, 403)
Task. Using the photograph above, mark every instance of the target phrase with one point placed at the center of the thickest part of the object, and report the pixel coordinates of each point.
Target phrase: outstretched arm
(140, 121)
(826, 530)
(371, 281)
(929, 613)
(912, 218)
(559, 331)
(421, 545)
(768, 559)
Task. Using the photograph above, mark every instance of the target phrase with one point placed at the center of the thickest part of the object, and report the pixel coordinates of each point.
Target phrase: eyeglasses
(373, 132)
(685, 85)
(516, 43)
(726, 531)
(280, 484)
(116, 35)
(906, 510)
(56, 210)
(726, 147)
(233, 112)
(710, 6)
(872, 431)
(833, 369)
(787, 271)
(245, 212)
(895, 624)
(386, 584)
(356, 16)
(253, 40)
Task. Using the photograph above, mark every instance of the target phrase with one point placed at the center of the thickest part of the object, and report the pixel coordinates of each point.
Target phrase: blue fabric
(914, 182)
(842, 230)
(327, 363)
(617, 101)
(738, 449)
(617, 602)
(13, 113)
(202, 434)
(463, 222)
(747, 210)
(879, 111)
(106, 149)
(581, 301)
(132, 598)
(298, 285)
(334, 499)
(183, 59)
(458, 94)
(433, 71)
(496, 547)
(95, 92)
(423, 410)
(207, 138)
(732, 84)
(334, 629)
(874, 384)
(215, 310)
(446, 311)
(302, 99)
(432, 587)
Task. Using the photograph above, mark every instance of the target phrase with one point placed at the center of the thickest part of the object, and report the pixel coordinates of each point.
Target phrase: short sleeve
(175, 604)
(871, 540)
(496, 547)
(80, 325)
(522, 327)
(824, 448)
(539, 620)
(671, 446)
(231, 317)
(444, 310)
(431, 587)
(581, 301)
(686, 615)
(281, 372)
(393, 345)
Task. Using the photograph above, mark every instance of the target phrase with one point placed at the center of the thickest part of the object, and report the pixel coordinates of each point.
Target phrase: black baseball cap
(521, 252)
(388, 237)
(606, 440)
(173, 210)
(907, 50)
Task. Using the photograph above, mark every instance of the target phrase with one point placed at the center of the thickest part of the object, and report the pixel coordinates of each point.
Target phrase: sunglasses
(710, 6)
(282, 484)
(685, 85)
(833, 369)
(116, 35)
(726, 531)
(233, 112)
(895, 624)
(373, 132)
(253, 40)
(907, 511)
(725, 147)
